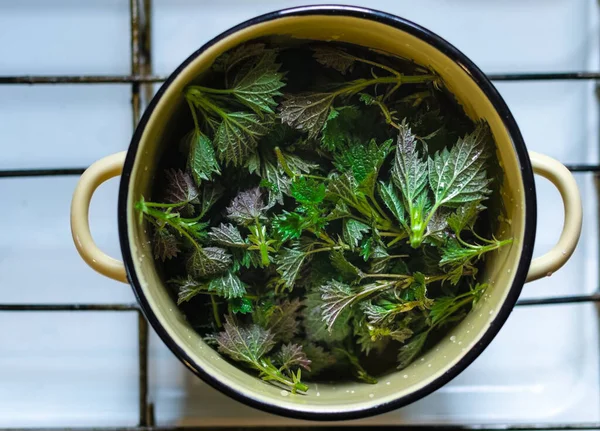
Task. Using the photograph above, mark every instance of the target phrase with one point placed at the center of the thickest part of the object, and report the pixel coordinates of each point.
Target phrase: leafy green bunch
(323, 222)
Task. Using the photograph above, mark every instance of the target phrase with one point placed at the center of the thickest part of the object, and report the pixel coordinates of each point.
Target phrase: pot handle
(99, 172)
(563, 180)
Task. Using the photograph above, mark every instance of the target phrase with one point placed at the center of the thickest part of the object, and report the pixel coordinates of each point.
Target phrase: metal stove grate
(141, 80)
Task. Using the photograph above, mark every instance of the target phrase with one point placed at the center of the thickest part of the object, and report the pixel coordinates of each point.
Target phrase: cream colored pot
(506, 271)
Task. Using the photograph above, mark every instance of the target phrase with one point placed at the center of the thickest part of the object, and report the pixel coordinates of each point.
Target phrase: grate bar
(69, 307)
(139, 78)
(35, 172)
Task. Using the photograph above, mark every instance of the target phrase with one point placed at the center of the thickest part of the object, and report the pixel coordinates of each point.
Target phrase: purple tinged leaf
(246, 207)
(166, 245)
(292, 355)
(281, 319)
(180, 187)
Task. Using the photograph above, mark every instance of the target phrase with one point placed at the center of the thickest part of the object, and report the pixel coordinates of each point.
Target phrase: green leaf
(391, 200)
(339, 122)
(280, 318)
(166, 245)
(292, 356)
(239, 54)
(208, 262)
(363, 160)
(366, 338)
(454, 253)
(211, 193)
(289, 225)
(411, 350)
(289, 263)
(346, 269)
(458, 176)
(354, 231)
(307, 190)
(227, 235)
(237, 137)
(277, 182)
(409, 172)
(245, 344)
(241, 305)
(306, 112)
(188, 288)
(315, 326)
(334, 58)
(319, 358)
(464, 217)
(202, 161)
(246, 207)
(228, 286)
(258, 87)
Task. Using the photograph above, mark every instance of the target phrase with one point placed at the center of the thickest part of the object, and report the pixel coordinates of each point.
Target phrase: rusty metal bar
(69, 307)
(84, 79)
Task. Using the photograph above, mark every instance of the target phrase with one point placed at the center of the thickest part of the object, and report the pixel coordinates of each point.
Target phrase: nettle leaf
(228, 286)
(289, 262)
(237, 137)
(411, 350)
(409, 172)
(458, 175)
(346, 269)
(201, 160)
(246, 207)
(454, 253)
(180, 187)
(354, 231)
(227, 235)
(320, 359)
(289, 225)
(339, 122)
(291, 355)
(258, 87)
(364, 161)
(208, 262)
(244, 343)
(241, 305)
(188, 288)
(306, 112)
(242, 53)
(367, 341)
(464, 217)
(276, 181)
(437, 227)
(315, 326)
(280, 318)
(166, 244)
(337, 297)
(297, 164)
(334, 58)
(211, 193)
(307, 190)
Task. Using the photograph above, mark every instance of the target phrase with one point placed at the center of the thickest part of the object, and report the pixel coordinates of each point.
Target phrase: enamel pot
(506, 270)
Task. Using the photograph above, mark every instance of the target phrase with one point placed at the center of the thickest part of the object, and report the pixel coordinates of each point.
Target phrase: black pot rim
(528, 186)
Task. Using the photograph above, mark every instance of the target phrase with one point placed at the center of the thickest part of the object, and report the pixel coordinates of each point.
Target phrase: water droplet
(480, 314)
(453, 338)
(491, 312)
(284, 393)
(463, 349)
(405, 376)
(371, 395)
(445, 356)
(459, 343)
(308, 102)
(348, 391)
(549, 273)
(422, 359)
(564, 252)
(437, 349)
(146, 168)
(429, 365)
(388, 383)
(508, 270)
(318, 394)
(468, 332)
(351, 392)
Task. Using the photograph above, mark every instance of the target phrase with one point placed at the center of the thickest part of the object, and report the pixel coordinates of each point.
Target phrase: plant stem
(318, 250)
(194, 116)
(274, 374)
(283, 163)
(215, 308)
